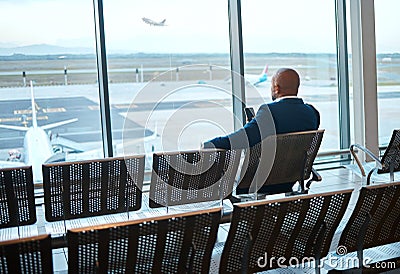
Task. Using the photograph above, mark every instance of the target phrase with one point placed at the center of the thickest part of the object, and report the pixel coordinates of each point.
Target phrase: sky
(192, 26)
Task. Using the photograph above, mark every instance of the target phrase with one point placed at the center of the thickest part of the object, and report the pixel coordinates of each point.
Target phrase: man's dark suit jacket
(288, 115)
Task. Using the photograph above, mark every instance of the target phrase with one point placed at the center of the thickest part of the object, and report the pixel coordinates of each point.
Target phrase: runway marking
(14, 119)
(19, 119)
(95, 107)
(124, 106)
(53, 110)
(45, 117)
(45, 110)
(22, 111)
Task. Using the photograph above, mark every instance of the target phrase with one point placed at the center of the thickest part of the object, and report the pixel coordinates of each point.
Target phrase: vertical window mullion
(343, 74)
(237, 63)
(103, 79)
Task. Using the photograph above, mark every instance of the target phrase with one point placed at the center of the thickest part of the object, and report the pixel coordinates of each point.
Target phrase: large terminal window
(299, 35)
(48, 83)
(388, 67)
(168, 71)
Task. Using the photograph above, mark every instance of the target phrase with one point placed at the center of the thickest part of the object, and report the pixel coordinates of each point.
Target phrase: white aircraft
(254, 79)
(257, 79)
(154, 23)
(39, 148)
(37, 144)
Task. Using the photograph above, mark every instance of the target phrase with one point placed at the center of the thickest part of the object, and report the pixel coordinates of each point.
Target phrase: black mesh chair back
(17, 200)
(94, 187)
(375, 220)
(180, 243)
(391, 158)
(249, 169)
(296, 227)
(294, 158)
(27, 255)
(192, 176)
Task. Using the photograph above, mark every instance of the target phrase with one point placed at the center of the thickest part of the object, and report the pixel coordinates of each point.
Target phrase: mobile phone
(249, 113)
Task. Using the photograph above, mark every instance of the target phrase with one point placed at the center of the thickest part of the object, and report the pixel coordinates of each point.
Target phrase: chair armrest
(366, 151)
(315, 177)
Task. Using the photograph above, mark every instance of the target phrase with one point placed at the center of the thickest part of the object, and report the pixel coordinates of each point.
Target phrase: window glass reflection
(300, 38)
(48, 83)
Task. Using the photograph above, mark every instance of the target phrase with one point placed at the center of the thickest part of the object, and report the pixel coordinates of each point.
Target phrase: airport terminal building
(105, 107)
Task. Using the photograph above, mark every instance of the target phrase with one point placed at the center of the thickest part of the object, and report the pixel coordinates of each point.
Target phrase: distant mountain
(44, 49)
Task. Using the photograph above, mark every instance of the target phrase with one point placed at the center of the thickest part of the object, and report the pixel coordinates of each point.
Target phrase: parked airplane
(254, 79)
(41, 147)
(257, 79)
(154, 23)
(37, 144)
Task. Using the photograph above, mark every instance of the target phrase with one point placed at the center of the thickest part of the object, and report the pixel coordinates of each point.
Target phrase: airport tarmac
(183, 113)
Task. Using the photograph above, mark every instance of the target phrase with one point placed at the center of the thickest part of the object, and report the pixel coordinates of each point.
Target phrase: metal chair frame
(389, 163)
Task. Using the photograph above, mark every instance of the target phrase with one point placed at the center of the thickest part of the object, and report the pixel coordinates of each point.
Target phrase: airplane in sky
(154, 23)
(256, 79)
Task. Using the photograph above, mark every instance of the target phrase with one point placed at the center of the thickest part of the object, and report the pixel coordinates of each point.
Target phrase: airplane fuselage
(154, 23)
(37, 149)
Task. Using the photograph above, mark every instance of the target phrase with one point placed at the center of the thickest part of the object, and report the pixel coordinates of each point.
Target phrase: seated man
(289, 114)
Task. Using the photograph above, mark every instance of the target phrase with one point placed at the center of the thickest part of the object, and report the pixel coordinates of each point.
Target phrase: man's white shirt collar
(286, 97)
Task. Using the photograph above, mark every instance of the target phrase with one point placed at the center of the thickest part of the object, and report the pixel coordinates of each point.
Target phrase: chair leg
(316, 177)
(391, 171)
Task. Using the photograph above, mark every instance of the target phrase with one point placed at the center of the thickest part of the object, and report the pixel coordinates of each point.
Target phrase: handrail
(366, 151)
(334, 152)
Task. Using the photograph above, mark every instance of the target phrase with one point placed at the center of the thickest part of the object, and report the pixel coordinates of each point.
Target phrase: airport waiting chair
(375, 220)
(389, 163)
(27, 255)
(192, 176)
(290, 230)
(93, 187)
(294, 157)
(180, 243)
(17, 200)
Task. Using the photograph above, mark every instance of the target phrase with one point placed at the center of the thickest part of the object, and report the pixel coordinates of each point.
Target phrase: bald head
(285, 82)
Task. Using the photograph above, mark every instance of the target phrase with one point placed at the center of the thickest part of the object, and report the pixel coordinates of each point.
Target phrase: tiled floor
(332, 180)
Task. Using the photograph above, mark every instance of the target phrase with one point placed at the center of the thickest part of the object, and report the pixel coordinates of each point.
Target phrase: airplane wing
(56, 157)
(18, 128)
(57, 124)
(49, 126)
(148, 21)
(145, 146)
(66, 143)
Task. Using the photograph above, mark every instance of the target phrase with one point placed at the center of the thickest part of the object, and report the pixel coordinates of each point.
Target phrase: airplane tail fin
(265, 69)
(163, 21)
(49, 126)
(34, 119)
